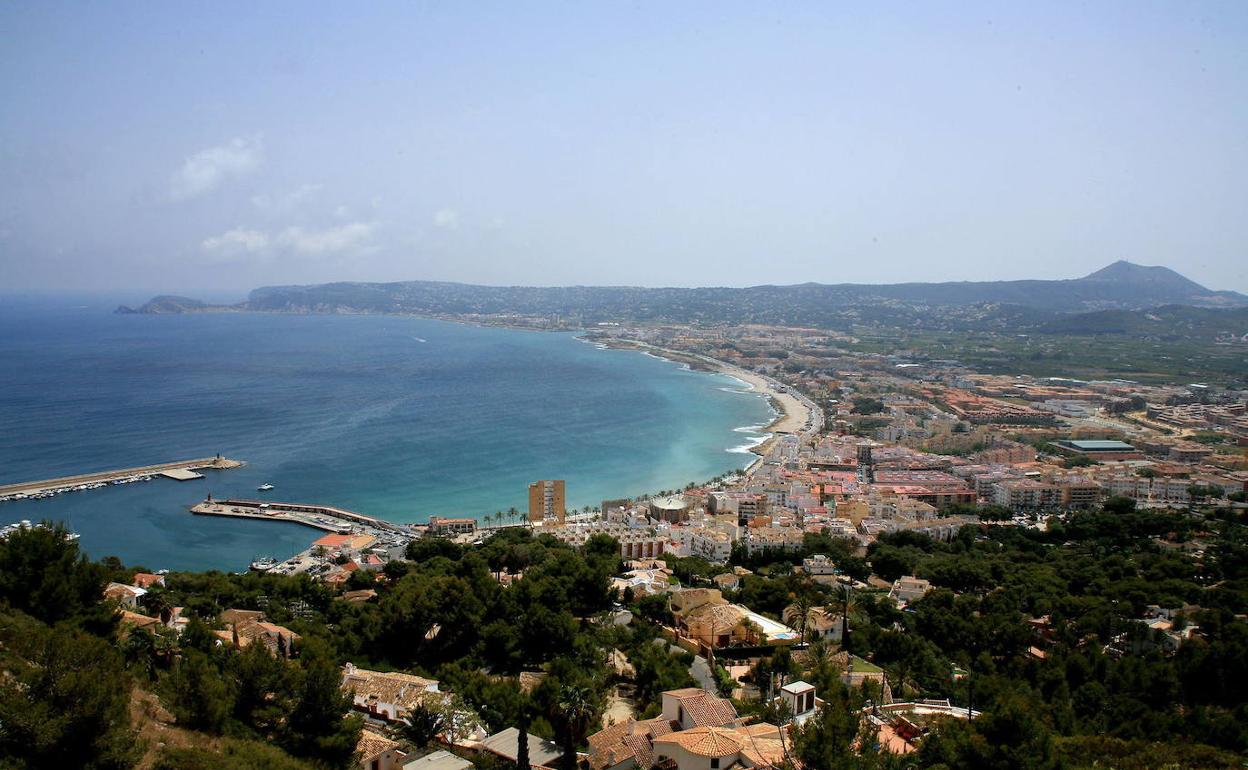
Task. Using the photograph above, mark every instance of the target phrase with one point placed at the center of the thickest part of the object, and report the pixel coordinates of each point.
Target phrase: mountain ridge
(1030, 302)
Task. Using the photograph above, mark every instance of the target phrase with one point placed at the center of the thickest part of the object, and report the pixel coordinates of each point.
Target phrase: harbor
(182, 470)
(326, 518)
(347, 532)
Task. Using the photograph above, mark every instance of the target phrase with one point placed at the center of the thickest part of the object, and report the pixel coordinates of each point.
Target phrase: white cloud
(205, 170)
(447, 219)
(237, 241)
(354, 236)
(284, 204)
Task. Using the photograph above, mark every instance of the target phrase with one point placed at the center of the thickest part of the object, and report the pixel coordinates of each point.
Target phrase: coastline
(792, 414)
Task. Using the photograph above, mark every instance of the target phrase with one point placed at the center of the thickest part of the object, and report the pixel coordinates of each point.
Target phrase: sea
(396, 417)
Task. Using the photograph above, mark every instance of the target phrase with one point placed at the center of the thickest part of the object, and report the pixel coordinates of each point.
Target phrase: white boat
(264, 487)
(264, 564)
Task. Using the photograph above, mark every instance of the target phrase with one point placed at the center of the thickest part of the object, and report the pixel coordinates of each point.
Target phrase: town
(773, 617)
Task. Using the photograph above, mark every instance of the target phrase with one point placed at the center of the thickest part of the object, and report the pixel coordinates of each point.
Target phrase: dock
(181, 470)
(323, 517)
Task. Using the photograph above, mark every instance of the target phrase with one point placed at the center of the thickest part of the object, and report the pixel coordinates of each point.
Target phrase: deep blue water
(395, 417)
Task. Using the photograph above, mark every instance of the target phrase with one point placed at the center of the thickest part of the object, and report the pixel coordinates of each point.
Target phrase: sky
(211, 148)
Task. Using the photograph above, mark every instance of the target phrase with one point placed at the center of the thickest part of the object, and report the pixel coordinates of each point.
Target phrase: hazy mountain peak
(1124, 271)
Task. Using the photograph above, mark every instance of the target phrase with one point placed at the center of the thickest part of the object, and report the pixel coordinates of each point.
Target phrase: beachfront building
(442, 527)
(546, 500)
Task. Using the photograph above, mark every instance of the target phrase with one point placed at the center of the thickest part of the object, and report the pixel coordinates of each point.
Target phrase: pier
(323, 517)
(180, 470)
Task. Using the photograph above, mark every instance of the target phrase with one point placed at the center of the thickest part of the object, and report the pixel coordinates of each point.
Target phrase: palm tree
(576, 711)
(423, 724)
(847, 606)
(803, 605)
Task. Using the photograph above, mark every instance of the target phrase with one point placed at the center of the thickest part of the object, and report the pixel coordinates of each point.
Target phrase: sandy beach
(795, 413)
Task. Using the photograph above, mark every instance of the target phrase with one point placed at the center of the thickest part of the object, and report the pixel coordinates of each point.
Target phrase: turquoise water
(396, 417)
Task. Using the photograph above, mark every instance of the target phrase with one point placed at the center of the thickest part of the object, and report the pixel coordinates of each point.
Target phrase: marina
(346, 532)
(183, 470)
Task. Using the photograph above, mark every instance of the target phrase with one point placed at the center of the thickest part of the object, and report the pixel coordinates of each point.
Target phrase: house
(438, 760)
(246, 627)
(631, 744)
(377, 752)
(900, 727)
(703, 615)
(627, 744)
(818, 564)
(821, 622)
(712, 748)
(908, 588)
(126, 596)
(643, 582)
(370, 561)
(695, 707)
(146, 580)
(131, 621)
(506, 744)
(727, 581)
(360, 596)
(385, 696)
(799, 698)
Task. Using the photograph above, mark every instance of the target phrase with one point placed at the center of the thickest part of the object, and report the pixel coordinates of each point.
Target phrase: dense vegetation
(1040, 630)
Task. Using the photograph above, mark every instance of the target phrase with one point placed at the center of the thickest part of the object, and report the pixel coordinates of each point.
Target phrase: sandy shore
(794, 413)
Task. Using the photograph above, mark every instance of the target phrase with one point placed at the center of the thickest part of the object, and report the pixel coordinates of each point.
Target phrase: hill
(167, 303)
(1167, 323)
(988, 304)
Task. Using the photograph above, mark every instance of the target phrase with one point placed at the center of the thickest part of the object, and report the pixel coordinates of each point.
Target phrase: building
(506, 744)
(900, 727)
(800, 699)
(125, 596)
(1027, 494)
(1099, 449)
(440, 527)
(689, 712)
(712, 748)
(349, 544)
(908, 588)
(703, 615)
(385, 696)
(673, 509)
(818, 564)
(547, 501)
(246, 627)
(438, 760)
(377, 752)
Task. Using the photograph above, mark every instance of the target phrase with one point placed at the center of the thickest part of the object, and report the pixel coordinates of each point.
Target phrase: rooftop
(1099, 445)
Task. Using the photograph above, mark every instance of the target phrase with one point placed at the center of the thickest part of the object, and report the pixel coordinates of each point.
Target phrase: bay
(395, 417)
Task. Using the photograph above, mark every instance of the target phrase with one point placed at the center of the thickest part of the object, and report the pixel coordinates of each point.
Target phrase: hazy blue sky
(214, 146)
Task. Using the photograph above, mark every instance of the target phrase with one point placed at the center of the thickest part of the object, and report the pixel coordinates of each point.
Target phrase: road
(699, 669)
